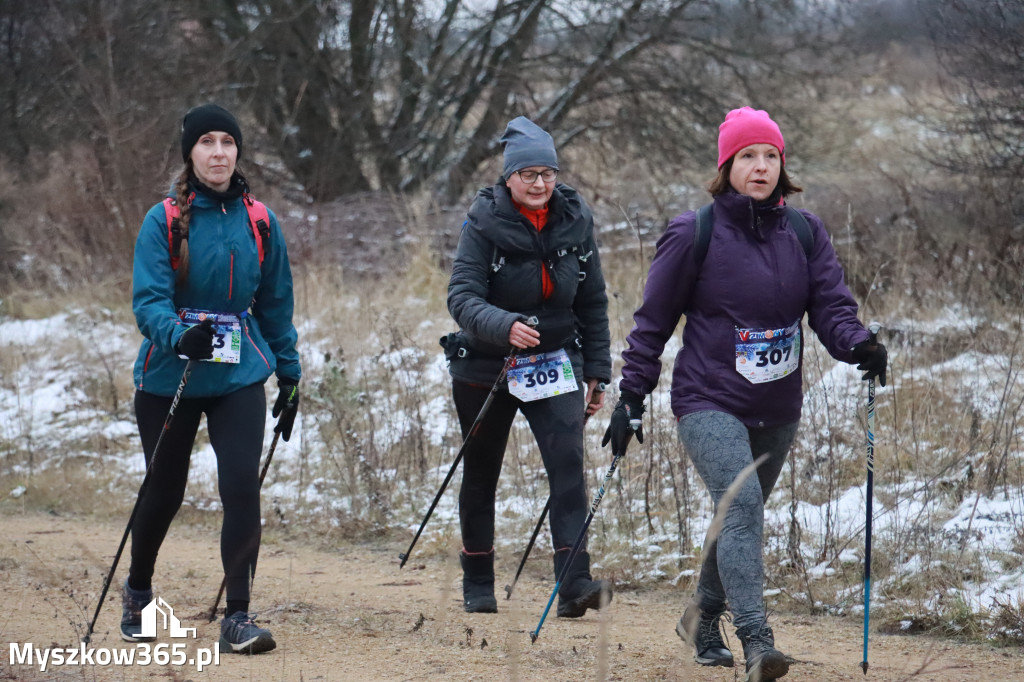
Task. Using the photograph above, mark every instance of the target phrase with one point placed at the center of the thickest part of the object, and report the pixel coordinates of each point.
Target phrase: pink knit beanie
(744, 127)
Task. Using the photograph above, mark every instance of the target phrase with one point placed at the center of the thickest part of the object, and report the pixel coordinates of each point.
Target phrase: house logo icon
(170, 622)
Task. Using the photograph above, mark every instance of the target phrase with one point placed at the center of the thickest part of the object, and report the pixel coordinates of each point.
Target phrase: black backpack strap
(175, 239)
(702, 233)
(798, 223)
(584, 259)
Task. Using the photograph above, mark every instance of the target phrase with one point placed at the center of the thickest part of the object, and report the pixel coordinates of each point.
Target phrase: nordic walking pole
(263, 474)
(873, 328)
(635, 423)
(601, 387)
(458, 458)
(529, 546)
(189, 366)
(509, 362)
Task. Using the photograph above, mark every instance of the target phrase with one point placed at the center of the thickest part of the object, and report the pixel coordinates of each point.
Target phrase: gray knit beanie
(527, 144)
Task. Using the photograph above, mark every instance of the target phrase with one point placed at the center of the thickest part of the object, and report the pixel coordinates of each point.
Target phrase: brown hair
(720, 183)
(181, 192)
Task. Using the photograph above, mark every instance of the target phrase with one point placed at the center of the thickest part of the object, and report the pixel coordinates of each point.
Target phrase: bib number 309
(533, 377)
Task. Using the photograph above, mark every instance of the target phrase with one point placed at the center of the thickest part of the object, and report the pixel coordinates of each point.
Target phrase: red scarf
(539, 218)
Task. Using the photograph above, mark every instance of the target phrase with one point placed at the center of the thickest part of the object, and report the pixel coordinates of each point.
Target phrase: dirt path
(350, 614)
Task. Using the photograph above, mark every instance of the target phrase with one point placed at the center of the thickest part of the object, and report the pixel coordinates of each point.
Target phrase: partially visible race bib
(764, 355)
(533, 377)
(227, 333)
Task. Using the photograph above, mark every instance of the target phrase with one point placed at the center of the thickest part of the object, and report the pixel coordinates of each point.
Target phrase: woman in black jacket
(527, 250)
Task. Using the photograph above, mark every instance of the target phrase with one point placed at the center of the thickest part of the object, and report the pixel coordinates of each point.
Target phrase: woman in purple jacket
(736, 384)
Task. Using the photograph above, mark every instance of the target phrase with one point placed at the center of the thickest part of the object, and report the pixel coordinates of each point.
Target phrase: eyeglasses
(530, 176)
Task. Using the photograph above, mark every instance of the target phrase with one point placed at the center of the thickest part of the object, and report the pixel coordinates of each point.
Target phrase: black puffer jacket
(485, 303)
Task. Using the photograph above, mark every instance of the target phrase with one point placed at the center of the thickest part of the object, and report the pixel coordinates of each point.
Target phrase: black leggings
(557, 424)
(235, 423)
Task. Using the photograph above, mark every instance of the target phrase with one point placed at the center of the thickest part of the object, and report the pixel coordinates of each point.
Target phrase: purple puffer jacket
(755, 276)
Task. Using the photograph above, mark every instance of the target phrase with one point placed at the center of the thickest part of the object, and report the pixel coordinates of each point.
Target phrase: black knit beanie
(203, 119)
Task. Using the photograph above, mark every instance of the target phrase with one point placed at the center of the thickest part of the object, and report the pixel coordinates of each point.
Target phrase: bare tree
(92, 93)
(979, 118)
(980, 47)
(394, 94)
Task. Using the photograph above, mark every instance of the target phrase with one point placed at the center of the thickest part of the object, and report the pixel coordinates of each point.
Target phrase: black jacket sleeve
(467, 291)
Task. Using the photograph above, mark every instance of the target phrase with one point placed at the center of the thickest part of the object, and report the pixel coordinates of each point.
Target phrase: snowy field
(949, 479)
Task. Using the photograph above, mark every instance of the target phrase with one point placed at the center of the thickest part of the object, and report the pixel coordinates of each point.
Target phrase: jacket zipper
(145, 365)
(245, 325)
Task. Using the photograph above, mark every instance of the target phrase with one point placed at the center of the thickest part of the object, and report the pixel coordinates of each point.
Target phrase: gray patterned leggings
(719, 445)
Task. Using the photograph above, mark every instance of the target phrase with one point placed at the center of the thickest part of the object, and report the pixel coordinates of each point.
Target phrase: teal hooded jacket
(224, 276)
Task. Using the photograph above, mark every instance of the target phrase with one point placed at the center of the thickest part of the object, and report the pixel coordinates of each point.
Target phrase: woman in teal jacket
(218, 291)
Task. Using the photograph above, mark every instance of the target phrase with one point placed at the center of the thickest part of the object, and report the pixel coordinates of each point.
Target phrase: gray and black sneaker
(703, 631)
(240, 635)
(132, 603)
(764, 661)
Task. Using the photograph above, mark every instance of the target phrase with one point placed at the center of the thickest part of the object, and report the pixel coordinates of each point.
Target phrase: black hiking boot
(478, 582)
(703, 631)
(132, 603)
(764, 661)
(579, 591)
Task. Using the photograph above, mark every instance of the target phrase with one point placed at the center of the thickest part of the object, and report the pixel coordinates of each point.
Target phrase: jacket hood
(494, 214)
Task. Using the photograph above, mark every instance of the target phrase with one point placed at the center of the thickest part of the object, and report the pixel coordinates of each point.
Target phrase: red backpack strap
(259, 219)
(173, 215)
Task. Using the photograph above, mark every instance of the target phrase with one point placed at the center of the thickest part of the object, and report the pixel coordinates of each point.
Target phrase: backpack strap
(259, 219)
(173, 215)
(548, 259)
(706, 221)
(798, 223)
(702, 234)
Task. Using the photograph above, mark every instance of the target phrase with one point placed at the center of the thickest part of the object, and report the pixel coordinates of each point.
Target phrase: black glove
(286, 405)
(620, 430)
(871, 357)
(197, 341)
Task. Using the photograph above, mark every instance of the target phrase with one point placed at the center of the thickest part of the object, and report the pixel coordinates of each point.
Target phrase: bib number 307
(764, 355)
(543, 375)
